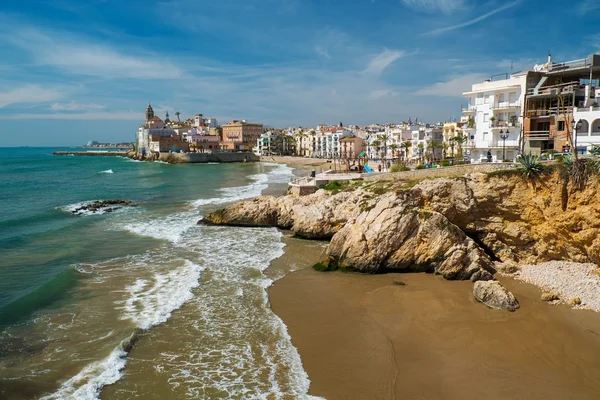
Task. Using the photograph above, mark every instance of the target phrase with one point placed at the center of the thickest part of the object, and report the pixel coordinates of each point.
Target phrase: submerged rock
(546, 296)
(494, 295)
(102, 206)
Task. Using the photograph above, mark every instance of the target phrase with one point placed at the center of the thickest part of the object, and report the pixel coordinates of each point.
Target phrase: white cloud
(75, 106)
(31, 94)
(474, 20)
(455, 87)
(383, 60)
(78, 56)
(445, 6)
(100, 115)
(376, 94)
(322, 51)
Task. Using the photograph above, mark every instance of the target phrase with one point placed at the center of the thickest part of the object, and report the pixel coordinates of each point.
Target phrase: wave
(151, 304)
(108, 171)
(86, 385)
(279, 174)
(171, 227)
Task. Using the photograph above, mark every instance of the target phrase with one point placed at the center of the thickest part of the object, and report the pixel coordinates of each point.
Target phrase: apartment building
(240, 135)
(557, 94)
(493, 118)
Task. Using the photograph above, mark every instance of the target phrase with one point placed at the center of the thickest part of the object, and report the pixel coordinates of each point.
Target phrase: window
(486, 117)
(480, 98)
(486, 99)
(561, 126)
(485, 136)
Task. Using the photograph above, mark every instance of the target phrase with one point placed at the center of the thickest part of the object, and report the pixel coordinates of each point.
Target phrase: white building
(495, 110)
(423, 139)
(588, 135)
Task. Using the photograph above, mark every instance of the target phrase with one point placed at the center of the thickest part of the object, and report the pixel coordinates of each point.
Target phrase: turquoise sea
(141, 302)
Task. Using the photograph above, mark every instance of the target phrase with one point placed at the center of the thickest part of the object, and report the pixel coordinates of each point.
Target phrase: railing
(468, 108)
(506, 104)
(556, 89)
(537, 135)
(587, 109)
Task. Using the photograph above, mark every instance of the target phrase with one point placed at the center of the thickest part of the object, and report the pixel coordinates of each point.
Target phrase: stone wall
(207, 157)
(458, 170)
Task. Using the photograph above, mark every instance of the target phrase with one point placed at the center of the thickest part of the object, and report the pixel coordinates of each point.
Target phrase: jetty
(91, 153)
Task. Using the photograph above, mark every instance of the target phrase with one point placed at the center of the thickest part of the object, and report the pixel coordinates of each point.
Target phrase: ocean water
(141, 302)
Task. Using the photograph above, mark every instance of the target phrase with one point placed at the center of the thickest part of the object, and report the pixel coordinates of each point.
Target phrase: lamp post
(504, 136)
(576, 128)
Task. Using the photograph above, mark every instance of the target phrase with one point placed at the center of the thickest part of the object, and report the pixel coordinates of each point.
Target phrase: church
(156, 137)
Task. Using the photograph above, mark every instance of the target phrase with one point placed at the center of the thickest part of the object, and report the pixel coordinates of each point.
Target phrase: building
(167, 144)
(201, 140)
(587, 135)
(493, 118)
(554, 92)
(240, 135)
(427, 143)
(155, 137)
(275, 142)
(351, 147)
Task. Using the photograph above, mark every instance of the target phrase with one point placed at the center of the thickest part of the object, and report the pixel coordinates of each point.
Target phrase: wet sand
(361, 337)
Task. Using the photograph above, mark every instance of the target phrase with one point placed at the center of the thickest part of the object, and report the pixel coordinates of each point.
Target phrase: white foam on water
(70, 208)
(87, 383)
(108, 171)
(171, 227)
(151, 303)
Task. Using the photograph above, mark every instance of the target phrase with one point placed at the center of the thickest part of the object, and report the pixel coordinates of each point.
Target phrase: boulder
(547, 296)
(494, 295)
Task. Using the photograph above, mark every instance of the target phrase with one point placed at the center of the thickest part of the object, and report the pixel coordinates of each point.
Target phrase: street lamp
(504, 136)
(576, 127)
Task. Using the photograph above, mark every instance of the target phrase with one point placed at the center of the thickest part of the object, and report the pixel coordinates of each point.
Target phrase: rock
(575, 301)
(398, 283)
(547, 296)
(506, 267)
(494, 295)
(482, 275)
(103, 205)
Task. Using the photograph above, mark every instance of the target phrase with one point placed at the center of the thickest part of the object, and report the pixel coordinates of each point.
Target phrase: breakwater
(173, 158)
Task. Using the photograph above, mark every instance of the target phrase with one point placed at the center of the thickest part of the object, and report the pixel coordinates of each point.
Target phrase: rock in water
(547, 296)
(494, 295)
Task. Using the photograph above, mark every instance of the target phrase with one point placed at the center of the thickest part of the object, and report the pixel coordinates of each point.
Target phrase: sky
(73, 71)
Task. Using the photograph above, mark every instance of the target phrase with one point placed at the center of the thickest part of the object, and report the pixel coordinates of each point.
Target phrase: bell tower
(149, 113)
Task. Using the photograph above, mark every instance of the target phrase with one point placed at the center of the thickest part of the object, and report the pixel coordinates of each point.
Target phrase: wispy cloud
(101, 115)
(454, 87)
(75, 106)
(585, 6)
(445, 6)
(29, 94)
(323, 52)
(474, 20)
(78, 56)
(383, 60)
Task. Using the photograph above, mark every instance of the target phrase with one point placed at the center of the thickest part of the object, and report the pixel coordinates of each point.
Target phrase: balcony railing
(537, 135)
(468, 108)
(506, 104)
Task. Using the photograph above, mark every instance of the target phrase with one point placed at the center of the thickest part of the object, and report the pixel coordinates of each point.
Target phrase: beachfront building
(201, 140)
(455, 138)
(240, 135)
(494, 117)
(351, 147)
(326, 141)
(155, 136)
(167, 144)
(555, 93)
(304, 142)
(586, 136)
(275, 142)
(427, 143)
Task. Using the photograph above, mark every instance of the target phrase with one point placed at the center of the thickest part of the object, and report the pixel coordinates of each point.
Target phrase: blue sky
(73, 71)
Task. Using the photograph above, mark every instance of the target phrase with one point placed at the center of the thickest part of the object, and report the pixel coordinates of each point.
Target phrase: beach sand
(362, 337)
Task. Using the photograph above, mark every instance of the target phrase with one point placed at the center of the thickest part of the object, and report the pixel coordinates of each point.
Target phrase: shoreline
(361, 336)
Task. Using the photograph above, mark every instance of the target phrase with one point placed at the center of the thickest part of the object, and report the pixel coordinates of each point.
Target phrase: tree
(393, 148)
(406, 145)
(384, 139)
(377, 145)
(420, 148)
(460, 139)
(177, 113)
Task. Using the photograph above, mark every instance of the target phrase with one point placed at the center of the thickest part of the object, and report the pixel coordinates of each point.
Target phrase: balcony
(468, 109)
(537, 135)
(503, 125)
(506, 105)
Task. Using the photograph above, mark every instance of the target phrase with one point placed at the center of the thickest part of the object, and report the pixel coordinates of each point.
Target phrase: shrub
(335, 186)
(530, 165)
(420, 167)
(400, 167)
(445, 163)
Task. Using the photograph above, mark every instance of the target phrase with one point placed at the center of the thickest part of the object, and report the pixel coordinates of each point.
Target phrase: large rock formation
(452, 226)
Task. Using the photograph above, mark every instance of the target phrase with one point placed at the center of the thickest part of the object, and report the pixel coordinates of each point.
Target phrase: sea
(141, 302)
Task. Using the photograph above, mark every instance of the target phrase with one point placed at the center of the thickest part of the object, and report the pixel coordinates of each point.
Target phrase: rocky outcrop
(395, 235)
(452, 226)
(104, 206)
(494, 295)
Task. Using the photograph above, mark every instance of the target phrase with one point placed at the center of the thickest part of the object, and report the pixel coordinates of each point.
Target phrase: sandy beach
(362, 337)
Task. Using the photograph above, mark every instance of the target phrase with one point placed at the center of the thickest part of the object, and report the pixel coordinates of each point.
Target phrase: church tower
(149, 113)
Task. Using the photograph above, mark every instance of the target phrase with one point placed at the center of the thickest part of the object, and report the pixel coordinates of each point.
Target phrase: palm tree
(460, 139)
(178, 114)
(406, 145)
(451, 140)
(377, 144)
(384, 139)
(393, 148)
(420, 148)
